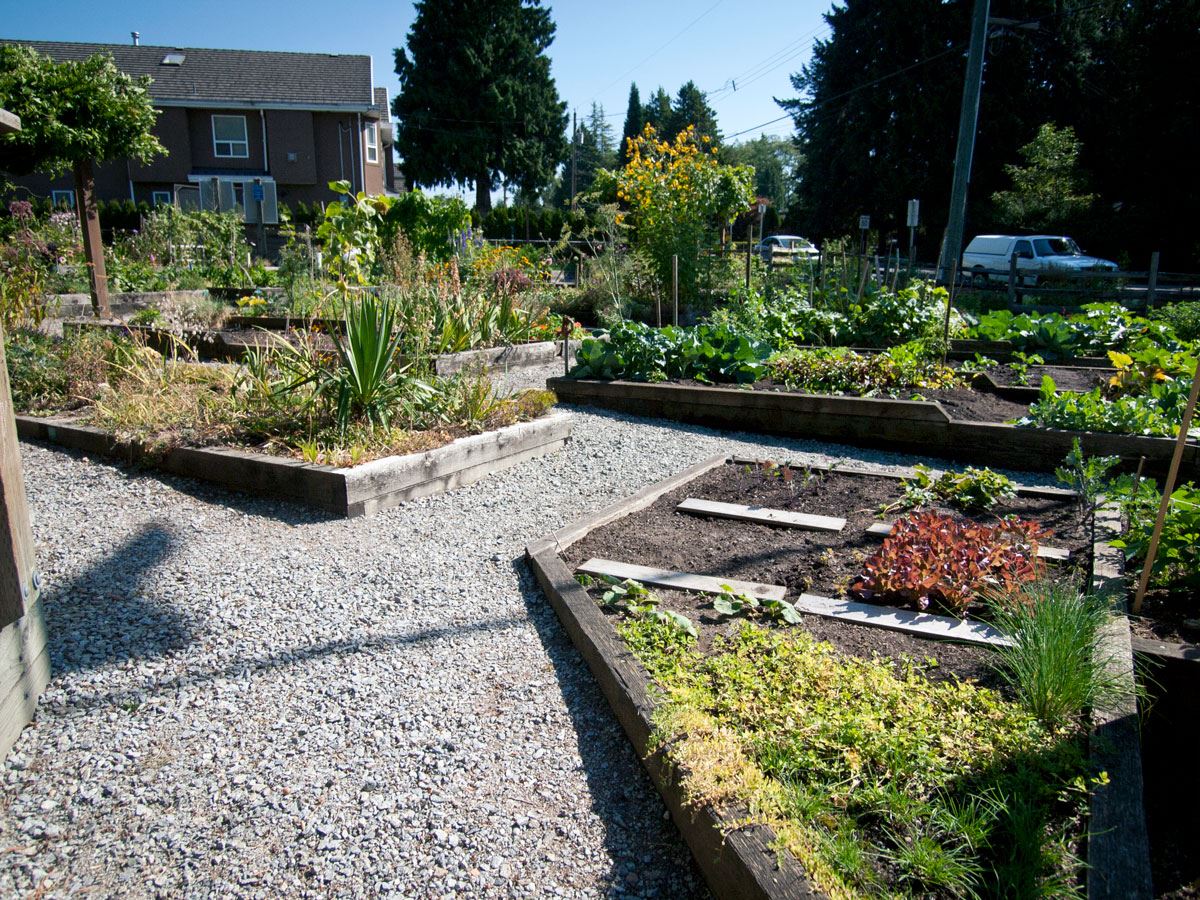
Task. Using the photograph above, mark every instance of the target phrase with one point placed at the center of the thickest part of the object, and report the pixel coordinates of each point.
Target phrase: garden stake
(949, 306)
(1168, 487)
(566, 336)
(675, 287)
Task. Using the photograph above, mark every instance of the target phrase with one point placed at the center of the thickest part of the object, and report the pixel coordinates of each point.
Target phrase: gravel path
(251, 700)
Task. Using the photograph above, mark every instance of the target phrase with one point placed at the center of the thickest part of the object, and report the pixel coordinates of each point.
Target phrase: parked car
(1035, 253)
(790, 247)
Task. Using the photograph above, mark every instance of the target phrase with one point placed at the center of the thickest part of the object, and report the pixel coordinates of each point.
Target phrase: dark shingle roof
(238, 76)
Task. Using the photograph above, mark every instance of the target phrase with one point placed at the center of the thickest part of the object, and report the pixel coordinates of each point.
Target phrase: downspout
(266, 157)
(129, 174)
(341, 155)
(362, 171)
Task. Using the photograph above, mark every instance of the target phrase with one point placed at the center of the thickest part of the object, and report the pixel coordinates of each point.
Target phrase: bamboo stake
(1168, 487)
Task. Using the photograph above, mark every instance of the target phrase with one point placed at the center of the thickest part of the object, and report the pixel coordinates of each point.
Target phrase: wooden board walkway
(1050, 554)
(924, 625)
(682, 581)
(762, 515)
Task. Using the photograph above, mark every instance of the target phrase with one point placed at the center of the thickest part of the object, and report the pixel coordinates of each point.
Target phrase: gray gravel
(252, 700)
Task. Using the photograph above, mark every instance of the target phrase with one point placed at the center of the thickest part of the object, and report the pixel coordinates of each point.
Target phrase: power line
(662, 47)
(846, 93)
(769, 63)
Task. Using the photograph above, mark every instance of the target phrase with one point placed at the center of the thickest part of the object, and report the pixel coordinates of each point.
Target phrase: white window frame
(372, 142)
(67, 195)
(231, 146)
(161, 198)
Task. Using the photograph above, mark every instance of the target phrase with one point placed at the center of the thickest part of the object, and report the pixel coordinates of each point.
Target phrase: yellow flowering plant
(679, 194)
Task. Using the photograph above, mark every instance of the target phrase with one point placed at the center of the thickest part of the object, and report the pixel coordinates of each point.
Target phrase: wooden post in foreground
(93, 246)
(24, 662)
(1168, 487)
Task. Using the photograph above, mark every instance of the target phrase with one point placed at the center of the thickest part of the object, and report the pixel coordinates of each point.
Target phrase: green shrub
(1182, 318)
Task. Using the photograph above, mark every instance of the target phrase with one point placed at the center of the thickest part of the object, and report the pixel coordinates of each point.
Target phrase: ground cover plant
(886, 763)
(848, 761)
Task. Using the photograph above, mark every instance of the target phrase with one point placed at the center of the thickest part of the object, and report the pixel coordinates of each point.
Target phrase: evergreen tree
(658, 111)
(477, 102)
(602, 130)
(635, 121)
(691, 108)
(594, 151)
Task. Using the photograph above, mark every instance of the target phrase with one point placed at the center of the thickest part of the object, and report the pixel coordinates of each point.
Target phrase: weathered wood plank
(924, 625)
(762, 515)
(682, 581)
(736, 865)
(1118, 842)
(1050, 554)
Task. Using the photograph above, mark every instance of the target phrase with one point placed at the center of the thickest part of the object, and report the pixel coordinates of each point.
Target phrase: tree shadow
(649, 856)
(101, 616)
(290, 512)
(264, 663)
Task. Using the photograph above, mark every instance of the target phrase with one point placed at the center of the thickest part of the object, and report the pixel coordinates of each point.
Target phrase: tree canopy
(876, 114)
(72, 111)
(477, 102)
(1047, 191)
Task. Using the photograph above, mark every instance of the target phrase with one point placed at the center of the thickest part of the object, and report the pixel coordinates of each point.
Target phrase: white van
(1034, 253)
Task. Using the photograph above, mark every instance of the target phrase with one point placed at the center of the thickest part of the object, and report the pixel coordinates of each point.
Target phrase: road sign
(864, 223)
(914, 213)
(762, 209)
(257, 190)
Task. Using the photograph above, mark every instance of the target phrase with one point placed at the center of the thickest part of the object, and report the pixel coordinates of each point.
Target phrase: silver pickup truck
(987, 257)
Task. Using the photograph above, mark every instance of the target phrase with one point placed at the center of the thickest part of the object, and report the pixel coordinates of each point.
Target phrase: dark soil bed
(1066, 378)
(1173, 617)
(964, 404)
(822, 563)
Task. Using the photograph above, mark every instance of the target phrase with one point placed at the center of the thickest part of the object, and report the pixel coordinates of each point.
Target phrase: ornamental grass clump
(1055, 664)
(933, 560)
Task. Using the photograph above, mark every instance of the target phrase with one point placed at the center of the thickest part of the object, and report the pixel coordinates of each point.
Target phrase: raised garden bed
(799, 555)
(923, 427)
(231, 344)
(344, 491)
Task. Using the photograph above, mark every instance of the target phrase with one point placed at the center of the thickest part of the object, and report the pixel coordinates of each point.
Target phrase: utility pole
(574, 153)
(968, 120)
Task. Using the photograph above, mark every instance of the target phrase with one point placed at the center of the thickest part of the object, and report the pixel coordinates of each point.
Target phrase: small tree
(1047, 190)
(75, 114)
(680, 195)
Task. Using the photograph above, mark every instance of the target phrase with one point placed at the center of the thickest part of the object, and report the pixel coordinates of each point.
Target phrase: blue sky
(600, 47)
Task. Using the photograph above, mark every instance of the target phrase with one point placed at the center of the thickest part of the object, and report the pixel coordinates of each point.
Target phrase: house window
(160, 198)
(372, 143)
(62, 198)
(229, 137)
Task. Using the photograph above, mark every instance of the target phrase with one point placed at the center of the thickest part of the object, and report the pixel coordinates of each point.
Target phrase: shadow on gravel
(286, 511)
(649, 856)
(269, 662)
(101, 617)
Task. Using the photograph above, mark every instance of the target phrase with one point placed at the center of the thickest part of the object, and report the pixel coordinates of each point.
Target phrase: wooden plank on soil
(681, 581)
(762, 515)
(924, 625)
(1050, 554)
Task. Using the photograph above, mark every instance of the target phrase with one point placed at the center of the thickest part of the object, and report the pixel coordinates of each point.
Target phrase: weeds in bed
(879, 780)
(971, 490)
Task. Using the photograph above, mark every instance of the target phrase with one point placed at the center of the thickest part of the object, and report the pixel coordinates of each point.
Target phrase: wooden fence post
(1152, 281)
(1012, 280)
